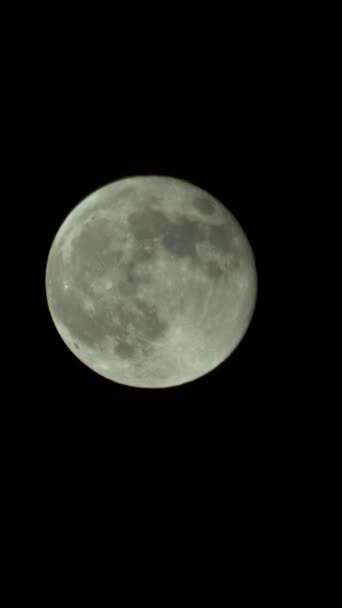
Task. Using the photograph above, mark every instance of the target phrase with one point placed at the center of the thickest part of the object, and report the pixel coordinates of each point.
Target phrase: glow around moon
(151, 282)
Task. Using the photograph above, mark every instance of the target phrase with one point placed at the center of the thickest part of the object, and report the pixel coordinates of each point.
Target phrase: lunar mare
(151, 282)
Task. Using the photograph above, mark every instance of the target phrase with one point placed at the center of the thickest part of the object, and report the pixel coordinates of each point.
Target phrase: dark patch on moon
(145, 252)
(128, 192)
(143, 318)
(179, 237)
(147, 348)
(220, 237)
(125, 350)
(147, 224)
(146, 326)
(182, 237)
(127, 287)
(204, 205)
(149, 322)
(129, 284)
(112, 258)
(213, 269)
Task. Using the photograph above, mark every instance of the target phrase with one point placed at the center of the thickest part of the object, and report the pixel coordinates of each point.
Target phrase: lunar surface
(151, 282)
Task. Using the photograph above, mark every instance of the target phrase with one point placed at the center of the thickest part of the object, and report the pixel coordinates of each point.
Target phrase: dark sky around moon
(228, 149)
(228, 126)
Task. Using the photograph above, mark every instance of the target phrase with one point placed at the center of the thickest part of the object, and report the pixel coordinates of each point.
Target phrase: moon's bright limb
(151, 282)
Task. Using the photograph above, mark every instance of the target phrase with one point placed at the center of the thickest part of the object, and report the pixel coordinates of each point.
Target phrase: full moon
(151, 282)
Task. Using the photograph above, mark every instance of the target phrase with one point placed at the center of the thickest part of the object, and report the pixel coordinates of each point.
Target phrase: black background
(210, 459)
(229, 146)
(229, 132)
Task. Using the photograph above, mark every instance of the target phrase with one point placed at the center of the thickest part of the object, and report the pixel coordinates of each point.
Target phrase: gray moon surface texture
(151, 282)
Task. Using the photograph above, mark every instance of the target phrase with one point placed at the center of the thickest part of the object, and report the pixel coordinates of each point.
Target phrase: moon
(151, 282)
